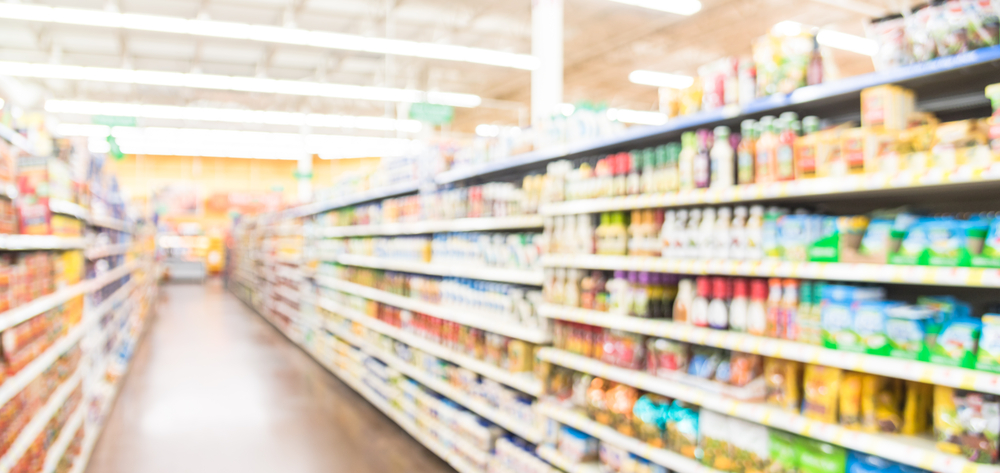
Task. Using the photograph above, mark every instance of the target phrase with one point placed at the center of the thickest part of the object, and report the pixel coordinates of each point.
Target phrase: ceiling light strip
(267, 34)
(236, 83)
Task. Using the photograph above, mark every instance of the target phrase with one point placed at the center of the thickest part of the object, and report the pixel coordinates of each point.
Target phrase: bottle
(723, 172)
(755, 233)
(814, 71)
(757, 309)
(805, 149)
(671, 177)
(775, 327)
(692, 234)
(618, 293)
(585, 234)
(739, 308)
(659, 183)
(769, 232)
(699, 306)
(784, 157)
(670, 291)
(601, 234)
(668, 233)
(630, 295)
(722, 239)
(571, 295)
(655, 308)
(764, 150)
(617, 235)
(683, 301)
(641, 296)
(745, 153)
(706, 239)
(559, 288)
(789, 309)
(633, 182)
(718, 307)
(738, 233)
(621, 166)
(653, 245)
(601, 299)
(603, 177)
(588, 296)
(647, 178)
(702, 160)
(635, 234)
(685, 161)
(816, 336)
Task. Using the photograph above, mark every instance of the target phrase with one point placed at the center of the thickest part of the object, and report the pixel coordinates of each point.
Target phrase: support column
(304, 171)
(547, 46)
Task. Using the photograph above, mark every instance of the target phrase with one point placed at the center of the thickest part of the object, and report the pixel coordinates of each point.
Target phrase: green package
(956, 345)
(989, 256)
(907, 329)
(820, 457)
(988, 356)
(784, 453)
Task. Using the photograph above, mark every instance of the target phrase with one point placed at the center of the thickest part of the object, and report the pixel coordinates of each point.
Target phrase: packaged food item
(666, 355)
(714, 440)
(916, 408)
(989, 256)
(821, 386)
(576, 446)
(744, 368)
(751, 450)
(907, 328)
(956, 345)
(858, 462)
(869, 325)
(650, 413)
(947, 427)
(683, 429)
(781, 379)
(784, 452)
(887, 106)
(850, 401)
(820, 457)
(597, 401)
(705, 361)
(979, 415)
(988, 355)
(33, 213)
(881, 404)
(621, 401)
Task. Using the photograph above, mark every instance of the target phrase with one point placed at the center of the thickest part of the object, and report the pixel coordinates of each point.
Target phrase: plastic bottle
(775, 327)
(671, 168)
(647, 184)
(703, 160)
(670, 290)
(722, 240)
(769, 232)
(572, 293)
(806, 148)
(691, 234)
(655, 308)
(622, 163)
(641, 295)
(601, 234)
(784, 169)
(653, 245)
(587, 295)
(718, 307)
(633, 183)
(723, 169)
(660, 169)
(635, 234)
(601, 299)
(755, 233)
(757, 309)
(679, 240)
(764, 150)
(789, 309)
(699, 306)
(633, 287)
(603, 177)
(559, 287)
(683, 301)
(618, 293)
(706, 240)
(685, 161)
(585, 233)
(739, 308)
(667, 234)
(745, 153)
(617, 235)
(738, 234)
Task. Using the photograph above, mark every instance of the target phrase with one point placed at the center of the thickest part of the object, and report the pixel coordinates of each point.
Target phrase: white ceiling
(604, 41)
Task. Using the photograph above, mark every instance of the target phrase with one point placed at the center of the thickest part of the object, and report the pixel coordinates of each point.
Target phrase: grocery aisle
(215, 388)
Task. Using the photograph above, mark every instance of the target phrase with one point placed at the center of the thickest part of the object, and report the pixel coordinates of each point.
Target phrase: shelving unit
(455, 270)
(483, 320)
(40, 242)
(551, 455)
(436, 226)
(38, 422)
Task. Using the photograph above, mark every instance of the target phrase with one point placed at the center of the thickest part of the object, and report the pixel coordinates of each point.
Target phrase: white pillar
(547, 46)
(305, 168)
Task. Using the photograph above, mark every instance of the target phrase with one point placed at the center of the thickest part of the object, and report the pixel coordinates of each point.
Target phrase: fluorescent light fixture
(237, 144)
(488, 131)
(636, 117)
(566, 109)
(847, 42)
(680, 7)
(661, 79)
(231, 115)
(2, 104)
(830, 38)
(269, 34)
(236, 83)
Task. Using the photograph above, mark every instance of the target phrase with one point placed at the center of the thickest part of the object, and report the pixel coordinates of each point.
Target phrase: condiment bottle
(789, 309)
(635, 234)
(755, 233)
(683, 301)
(679, 239)
(670, 291)
(601, 299)
(647, 178)
(600, 234)
(585, 234)
(653, 245)
(805, 149)
(633, 182)
(559, 287)
(775, 328)
(588, 296)
(641, 296)
(618, 293)
(691, 234)
(784, 169)
(721, 237)
(699, 306)
(604, 176)
(739, 308)
(718, 307)
(655, 308)
(757, 309)
(668, 232)
(764, 150)
(622, 163)
(703, 160)
(617, 235)
(572, 293)
(706, 242)
(685, 161)
(745, 153)
(671, 176)
(738, 234)
(723, 172)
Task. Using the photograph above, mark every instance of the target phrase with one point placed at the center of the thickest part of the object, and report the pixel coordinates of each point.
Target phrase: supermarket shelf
(111, 223)
(915, 451)
(288, 293)
(19, 381)
(503, 420)
(40, 242)
(551, 455)
(114, 299)
(438, 226)
(286, 310)
(36, 426)
(374, 194)
(481, 320)
(974, 380)
(856, 272)
(456, 270)
(107, 250)
(933, 81)
(524, 383)
(867, 185)
(58, 448)
(66, 207)
(674, 461)
(16, 139)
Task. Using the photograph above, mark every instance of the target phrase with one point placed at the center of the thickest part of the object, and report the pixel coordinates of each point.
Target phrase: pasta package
(782, 383)
(821, 387)
(850, 401)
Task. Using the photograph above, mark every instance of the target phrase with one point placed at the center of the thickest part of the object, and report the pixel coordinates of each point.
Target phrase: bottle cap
(633, 277)
(758, 289)
(720, 287)
(740, 288)
(702, 283)
(619, 274)
(721, 132)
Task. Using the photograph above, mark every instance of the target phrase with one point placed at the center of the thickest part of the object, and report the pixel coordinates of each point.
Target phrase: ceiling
(604, 41)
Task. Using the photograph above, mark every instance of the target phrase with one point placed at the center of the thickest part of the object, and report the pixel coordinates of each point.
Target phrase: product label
(838, 322)
(744, 170)
(906, 337)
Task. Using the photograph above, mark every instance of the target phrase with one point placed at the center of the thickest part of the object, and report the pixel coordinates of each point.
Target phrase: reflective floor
(215, 388)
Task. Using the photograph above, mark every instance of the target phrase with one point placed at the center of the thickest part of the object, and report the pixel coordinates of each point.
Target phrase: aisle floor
(214, 387)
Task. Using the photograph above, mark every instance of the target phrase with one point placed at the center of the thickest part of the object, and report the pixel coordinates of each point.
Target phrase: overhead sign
(432, 113)
(111, 120)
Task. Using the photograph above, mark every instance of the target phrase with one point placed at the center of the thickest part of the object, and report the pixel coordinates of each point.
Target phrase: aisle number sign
(432, 113)
(111, 120)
